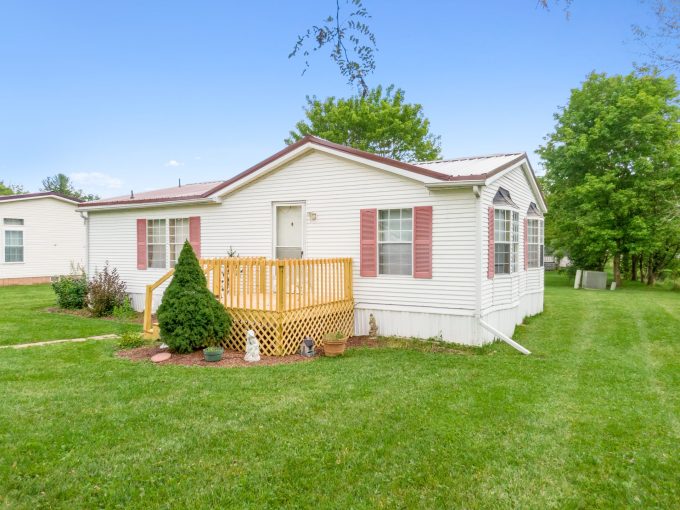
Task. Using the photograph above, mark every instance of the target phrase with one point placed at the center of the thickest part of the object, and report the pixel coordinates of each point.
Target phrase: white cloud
(96, 179)
(174, 162)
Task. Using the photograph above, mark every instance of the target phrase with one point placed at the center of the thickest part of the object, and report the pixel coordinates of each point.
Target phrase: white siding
(507, 299)
(335, 189)
(54, 237)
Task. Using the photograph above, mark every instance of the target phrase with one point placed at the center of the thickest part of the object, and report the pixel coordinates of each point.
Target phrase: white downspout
(477, 190)
(503, 337)
(86, 219)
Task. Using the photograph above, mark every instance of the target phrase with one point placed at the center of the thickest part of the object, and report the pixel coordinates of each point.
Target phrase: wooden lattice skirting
(280, 333)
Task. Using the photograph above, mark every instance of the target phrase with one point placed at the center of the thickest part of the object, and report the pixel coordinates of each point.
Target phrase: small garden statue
(307, 347)
(252, 347)
(372, 327)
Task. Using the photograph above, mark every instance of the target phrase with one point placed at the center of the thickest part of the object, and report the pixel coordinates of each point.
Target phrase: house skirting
(28, 280)
(459, 326)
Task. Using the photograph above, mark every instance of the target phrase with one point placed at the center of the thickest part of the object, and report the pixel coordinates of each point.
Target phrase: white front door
(288, 237)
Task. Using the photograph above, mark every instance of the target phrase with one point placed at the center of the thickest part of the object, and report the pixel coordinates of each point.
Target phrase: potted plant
(334, 344)
(213, 352)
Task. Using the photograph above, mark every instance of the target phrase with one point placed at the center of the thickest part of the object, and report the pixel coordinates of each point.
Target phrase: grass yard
(590, 420)
(24, 319)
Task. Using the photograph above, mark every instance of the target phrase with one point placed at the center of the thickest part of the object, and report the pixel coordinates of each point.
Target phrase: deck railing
(282, 300)
(278, 285)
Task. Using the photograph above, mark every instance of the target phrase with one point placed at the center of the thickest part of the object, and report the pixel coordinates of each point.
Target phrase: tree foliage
(613, 172)
(351, 41)
(11, 189)
(380, 122)
(61, 183)
(189, 316)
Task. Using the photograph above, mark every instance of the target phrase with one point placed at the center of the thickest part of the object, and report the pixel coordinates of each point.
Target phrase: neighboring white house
(436, 246)
(41, 235)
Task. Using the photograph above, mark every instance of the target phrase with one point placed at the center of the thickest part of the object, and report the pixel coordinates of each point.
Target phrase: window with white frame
(15, 222)
(14, 246)
(156, 243)
(395, 241)
(178, 233)
(506, 241)
(535, 241)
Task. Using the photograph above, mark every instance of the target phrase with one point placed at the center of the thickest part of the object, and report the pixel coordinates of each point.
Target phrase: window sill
(395, 276)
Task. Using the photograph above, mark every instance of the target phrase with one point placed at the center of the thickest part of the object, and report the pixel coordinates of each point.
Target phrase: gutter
(144, 205)
(455, 184)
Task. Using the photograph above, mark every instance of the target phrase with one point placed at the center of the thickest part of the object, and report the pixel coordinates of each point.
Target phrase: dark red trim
(40, 194)
(335, 146)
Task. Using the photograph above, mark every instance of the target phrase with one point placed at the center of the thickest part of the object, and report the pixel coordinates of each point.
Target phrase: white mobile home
(41, 235)
(437, 246)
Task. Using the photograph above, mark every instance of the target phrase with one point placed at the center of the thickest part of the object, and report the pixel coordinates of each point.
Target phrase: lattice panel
(315, 322)
(280, 333)
(265, 324)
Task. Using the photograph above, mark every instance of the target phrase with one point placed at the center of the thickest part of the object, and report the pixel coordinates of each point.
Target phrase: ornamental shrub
(71, 291)
(189, 316)
(106, 292)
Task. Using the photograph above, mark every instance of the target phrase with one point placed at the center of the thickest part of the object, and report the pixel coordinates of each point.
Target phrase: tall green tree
(61, 183)
(381, 122)
(11, 189)
(613, 171)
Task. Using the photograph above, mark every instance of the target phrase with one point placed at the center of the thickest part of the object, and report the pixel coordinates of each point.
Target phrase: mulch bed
(83, 312)
(229, 358)
(232, 358)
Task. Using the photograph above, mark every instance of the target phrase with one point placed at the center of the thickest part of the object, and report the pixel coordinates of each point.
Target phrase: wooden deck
(283, 301)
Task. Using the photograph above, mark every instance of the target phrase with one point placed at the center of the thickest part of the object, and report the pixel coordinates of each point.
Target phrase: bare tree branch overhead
(661, 40)
(351, 41)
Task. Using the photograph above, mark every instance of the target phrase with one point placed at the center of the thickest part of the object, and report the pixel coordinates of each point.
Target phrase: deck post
(147, 309)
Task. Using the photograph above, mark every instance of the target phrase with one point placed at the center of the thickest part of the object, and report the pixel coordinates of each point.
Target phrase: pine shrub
(190, 317)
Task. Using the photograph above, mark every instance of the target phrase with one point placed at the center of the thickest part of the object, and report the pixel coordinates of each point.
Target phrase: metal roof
(471, 166)
(183, 192)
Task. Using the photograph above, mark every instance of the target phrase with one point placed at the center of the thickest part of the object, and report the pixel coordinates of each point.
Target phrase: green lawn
(590, 420)
(23, 317)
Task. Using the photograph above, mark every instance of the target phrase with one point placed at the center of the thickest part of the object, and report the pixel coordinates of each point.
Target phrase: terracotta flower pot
(334, 347)
(213, 353)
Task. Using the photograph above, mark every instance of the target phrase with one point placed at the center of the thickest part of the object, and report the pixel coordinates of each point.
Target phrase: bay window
(535, 241)
(506, 241)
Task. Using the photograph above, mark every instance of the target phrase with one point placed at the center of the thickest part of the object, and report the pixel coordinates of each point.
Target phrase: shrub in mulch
(106, 291)
(190, 317)
(71, 291)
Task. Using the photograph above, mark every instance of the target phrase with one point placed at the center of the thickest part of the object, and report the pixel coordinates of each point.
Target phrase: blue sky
(134, 95)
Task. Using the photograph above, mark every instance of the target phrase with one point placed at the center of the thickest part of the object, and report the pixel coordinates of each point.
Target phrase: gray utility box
(594, 280)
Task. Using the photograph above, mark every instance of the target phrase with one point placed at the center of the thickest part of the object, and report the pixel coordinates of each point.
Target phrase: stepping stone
(161, 356)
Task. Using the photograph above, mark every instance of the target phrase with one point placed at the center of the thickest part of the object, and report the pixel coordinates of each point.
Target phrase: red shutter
(422, 242)
(141, 244)
(490, 262)
(368, 248)
(195, 234)
(526, 244)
